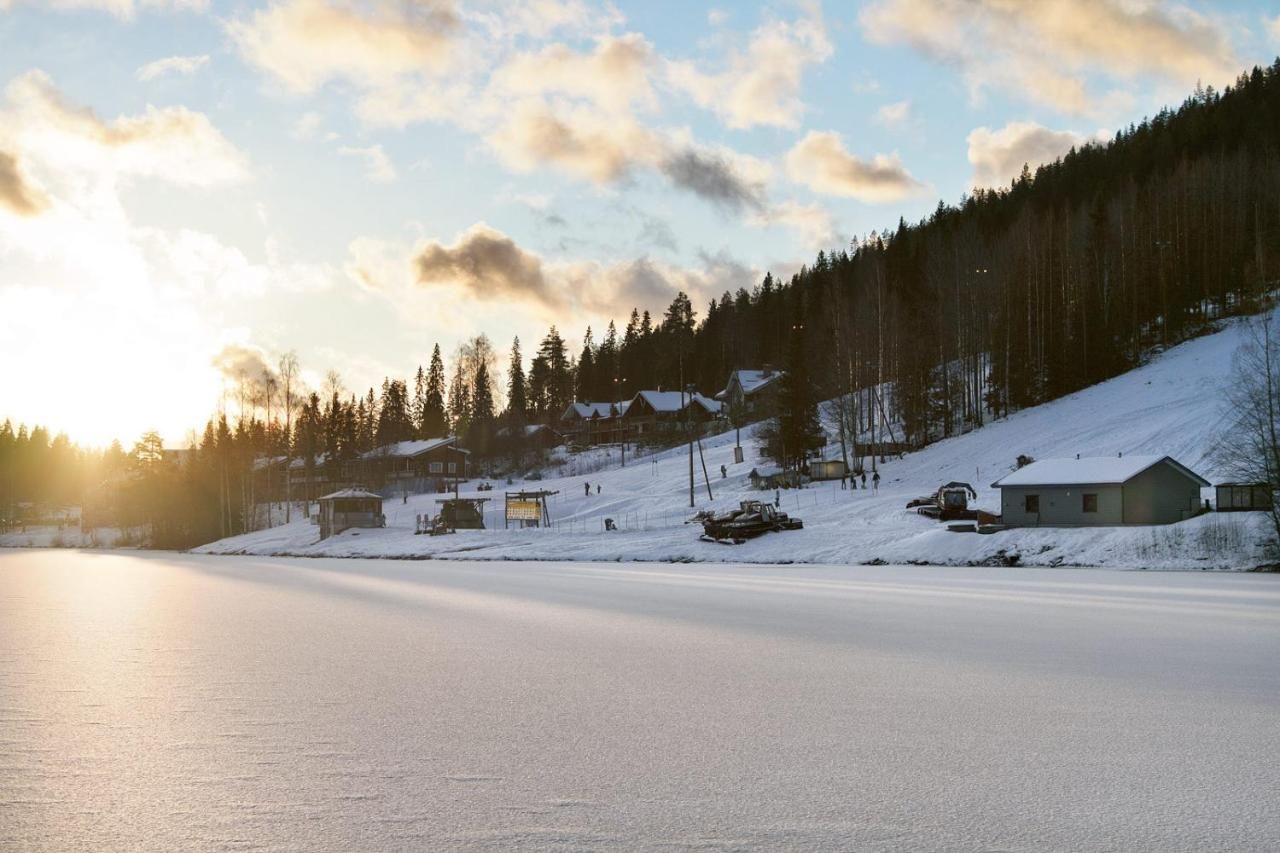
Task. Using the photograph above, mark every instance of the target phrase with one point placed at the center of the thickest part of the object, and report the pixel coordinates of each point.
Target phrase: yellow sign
(524, 511)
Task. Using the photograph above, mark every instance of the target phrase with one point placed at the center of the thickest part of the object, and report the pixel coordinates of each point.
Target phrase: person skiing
(864, 479)
(597, 488)
(875, 481)
(724, 472)
(586, 489)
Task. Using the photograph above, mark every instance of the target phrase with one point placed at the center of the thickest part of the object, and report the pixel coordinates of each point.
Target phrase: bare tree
(1250, 448)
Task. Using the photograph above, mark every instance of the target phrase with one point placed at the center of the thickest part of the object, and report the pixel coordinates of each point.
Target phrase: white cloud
(1047, 50)
(997, 156)
(17, 192)
(173, 144)
(813, 223)
(614, 75)
(397, 55)
(1273, 28)
(541, 19)
(581, 142)
(306, 43)
(895, 114)
(307, 125)
(378, 166)
(759, 84)
(179, 65)
(821, 162)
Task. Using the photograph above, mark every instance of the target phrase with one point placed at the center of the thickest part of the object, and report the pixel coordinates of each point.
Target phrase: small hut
(349, 508)
(1243, 497)
(828, 469)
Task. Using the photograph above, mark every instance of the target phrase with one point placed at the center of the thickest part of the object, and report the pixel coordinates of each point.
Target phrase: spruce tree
(517, 403)
(434, 424)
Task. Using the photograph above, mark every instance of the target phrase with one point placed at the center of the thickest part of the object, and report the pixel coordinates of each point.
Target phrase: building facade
(1100, 491)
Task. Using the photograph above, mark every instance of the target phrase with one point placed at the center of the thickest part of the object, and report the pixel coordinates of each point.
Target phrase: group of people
(875, 480)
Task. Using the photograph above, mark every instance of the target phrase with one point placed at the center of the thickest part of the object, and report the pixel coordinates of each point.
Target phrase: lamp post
(617, 407)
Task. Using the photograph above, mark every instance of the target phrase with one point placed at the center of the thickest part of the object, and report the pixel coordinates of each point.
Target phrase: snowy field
(176, 702)
(1172, 406)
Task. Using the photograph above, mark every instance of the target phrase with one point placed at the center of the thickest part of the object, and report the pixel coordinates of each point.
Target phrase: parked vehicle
(749, 520)
(948, 503)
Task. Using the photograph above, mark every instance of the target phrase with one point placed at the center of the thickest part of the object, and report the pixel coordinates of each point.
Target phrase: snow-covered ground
(178, 702)
(67, 536)
(1172, 406)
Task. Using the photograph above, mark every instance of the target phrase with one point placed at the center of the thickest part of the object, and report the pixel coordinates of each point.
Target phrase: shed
(349, 508)
(1100, 491)
(1243, 497)
(828, 469)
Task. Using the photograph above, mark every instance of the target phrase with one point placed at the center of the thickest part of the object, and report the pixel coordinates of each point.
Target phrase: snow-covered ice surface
(1172, 406)
(178, 702)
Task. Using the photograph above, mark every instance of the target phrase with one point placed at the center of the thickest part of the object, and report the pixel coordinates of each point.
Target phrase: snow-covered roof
(350, 493)
(409, 449)
(586, 411)
(750, 380)
(1089, 471)
(529, 430)
(667, 402)
(263, 461)
(300, 462)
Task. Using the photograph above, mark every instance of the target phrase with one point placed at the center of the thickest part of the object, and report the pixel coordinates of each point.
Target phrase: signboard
(524, 511)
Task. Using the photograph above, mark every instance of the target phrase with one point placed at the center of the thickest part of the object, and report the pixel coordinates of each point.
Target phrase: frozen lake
(171, 702)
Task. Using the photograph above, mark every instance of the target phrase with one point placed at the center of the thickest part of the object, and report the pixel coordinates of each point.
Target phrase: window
(453, 467)
(437, 467)
(1090, 503)
(1032, 504)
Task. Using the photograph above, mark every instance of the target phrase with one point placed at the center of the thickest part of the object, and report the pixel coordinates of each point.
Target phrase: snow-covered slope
(1172, 406)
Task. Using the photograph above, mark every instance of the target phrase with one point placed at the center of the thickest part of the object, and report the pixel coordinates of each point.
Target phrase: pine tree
(517, 403)
(434, 424)
(559, 378)
(586, 373)
(796, 430)
(418, 410)
(480, 429)
(459, 401)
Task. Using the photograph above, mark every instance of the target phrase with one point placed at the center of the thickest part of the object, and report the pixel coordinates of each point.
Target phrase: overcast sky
(188, 186)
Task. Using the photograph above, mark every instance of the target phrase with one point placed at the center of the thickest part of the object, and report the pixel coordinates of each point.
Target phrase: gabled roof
(410, 449)
(670, 402)
(587, 411)
(350, 493)
(750, 380)
(1090, 471)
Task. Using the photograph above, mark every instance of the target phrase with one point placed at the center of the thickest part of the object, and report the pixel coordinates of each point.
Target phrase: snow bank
(1169, 407)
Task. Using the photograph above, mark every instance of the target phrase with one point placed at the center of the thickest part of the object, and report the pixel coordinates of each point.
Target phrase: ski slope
(1172, 406)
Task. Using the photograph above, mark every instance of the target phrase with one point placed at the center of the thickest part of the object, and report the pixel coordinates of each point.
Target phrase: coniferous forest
(1014, 296)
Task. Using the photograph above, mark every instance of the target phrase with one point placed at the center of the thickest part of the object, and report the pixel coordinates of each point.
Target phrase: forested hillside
(1065, 278)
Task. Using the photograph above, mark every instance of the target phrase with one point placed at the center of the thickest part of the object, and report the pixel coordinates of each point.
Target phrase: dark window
(1090, 503)
(1033, 503)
